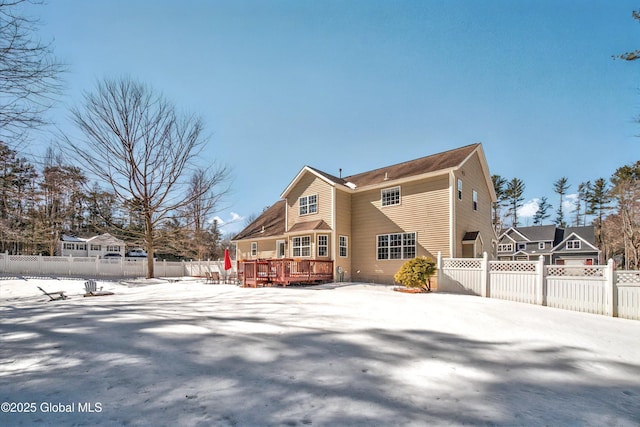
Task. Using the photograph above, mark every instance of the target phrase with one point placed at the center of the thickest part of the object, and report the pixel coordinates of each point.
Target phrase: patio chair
(54, 296)
(91, 288)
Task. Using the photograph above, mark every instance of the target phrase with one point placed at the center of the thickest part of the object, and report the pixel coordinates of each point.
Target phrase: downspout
(334, 238)
(452, 212)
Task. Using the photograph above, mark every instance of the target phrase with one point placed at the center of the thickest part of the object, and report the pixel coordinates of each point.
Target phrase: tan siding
(266, 248)
(307, 186)
(424, 209)
(466, 219)
(343, 227)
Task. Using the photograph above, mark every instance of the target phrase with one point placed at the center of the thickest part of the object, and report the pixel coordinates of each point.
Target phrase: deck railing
(284, 271)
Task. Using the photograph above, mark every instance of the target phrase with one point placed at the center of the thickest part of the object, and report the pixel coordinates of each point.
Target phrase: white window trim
(541, 245)
(505, 247)
(574, 244)
(325, 245)
(459, 189)
(389, 190)
(402, 246)
(521, 246)
(254, 249)
(300, 247)
(474, 200)
(344, 239)
(308, 205)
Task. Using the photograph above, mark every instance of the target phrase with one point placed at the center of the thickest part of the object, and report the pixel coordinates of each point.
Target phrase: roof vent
(262, 231)
(386, 176)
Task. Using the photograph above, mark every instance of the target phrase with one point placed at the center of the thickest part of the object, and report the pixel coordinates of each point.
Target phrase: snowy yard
(191, 354)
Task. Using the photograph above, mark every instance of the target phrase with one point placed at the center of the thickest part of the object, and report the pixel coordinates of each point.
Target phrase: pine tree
(542, 212)
(560, 187)
(514, 195)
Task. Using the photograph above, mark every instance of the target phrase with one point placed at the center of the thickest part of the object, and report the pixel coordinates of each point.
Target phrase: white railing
(598, 289)
(38, 265)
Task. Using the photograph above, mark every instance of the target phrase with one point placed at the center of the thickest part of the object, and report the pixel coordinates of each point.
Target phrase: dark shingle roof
(269, 223)
(433, 163)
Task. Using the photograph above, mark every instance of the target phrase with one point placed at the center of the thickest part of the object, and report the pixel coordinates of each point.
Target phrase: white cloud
(220, 221)
(528, 209)
(569, 202)
(235, 217)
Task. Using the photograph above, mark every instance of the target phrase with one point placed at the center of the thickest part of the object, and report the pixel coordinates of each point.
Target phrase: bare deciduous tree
(29, 73)
(135, 140)
(199, 211)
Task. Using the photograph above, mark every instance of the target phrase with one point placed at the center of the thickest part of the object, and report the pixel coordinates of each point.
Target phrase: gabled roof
(513, 230)
(433, 163)
(270, 223)
(539, 233)
(104, 238)
(575, 236)
(309, 226)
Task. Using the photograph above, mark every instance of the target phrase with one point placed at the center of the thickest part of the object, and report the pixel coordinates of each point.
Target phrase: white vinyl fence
(598, 289)
(38, 265)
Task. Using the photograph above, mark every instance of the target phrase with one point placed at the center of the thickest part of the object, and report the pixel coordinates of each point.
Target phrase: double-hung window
(323, 245)
(390, 196)
(505, 247)
(573, 244)
(308, 204)
(459, 189)
(254, 249)
(474, 196)
(301, 246)
(343, 246)
(396, 246)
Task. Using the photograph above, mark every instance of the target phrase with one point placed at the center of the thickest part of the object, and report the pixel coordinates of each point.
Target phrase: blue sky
(363, 84)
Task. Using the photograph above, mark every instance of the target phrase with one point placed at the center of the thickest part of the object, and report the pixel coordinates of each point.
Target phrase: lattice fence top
(515, 266)
(24, 257)
(571, 270)
(628, 277)
(463, 263)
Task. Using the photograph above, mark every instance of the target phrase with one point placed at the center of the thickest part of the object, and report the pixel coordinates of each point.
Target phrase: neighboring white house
(97, 246)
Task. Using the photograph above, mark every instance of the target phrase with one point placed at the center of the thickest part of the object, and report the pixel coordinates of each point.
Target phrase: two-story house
(370, 223)
(570, 246)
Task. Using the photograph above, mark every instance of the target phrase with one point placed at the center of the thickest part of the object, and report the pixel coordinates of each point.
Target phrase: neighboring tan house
(562, 246)
(370, 223)
(97, 246)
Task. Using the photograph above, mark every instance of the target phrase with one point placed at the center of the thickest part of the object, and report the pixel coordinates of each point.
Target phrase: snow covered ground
(193, 354)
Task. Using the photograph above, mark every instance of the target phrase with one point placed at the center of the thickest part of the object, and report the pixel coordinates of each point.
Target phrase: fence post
(484, 276)
(610, 289)
(541, 282)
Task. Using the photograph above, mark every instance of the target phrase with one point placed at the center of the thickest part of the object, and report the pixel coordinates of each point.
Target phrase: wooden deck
(285, 271)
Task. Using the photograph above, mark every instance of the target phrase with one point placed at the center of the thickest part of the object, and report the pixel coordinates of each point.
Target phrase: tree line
(612, 206)
(40, 204)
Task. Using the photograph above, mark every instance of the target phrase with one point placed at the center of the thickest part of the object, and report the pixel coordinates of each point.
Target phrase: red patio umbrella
(227, 260)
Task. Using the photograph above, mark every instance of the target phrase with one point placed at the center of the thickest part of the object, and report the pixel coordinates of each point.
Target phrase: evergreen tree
(499, 186)
(542, 212)
(514, 195)
(560, 187)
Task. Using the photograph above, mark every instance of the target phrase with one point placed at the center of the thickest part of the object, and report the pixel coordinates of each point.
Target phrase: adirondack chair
(91, 288)
(54, 296)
